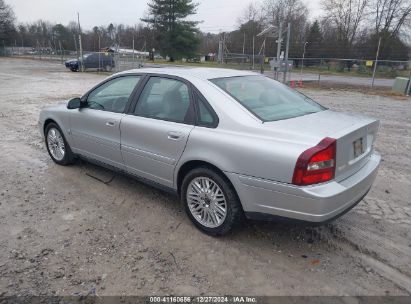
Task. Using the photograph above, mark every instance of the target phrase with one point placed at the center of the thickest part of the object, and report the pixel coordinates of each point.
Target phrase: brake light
(317, 164)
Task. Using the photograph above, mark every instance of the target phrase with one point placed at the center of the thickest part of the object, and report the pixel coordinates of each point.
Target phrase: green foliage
(314, 39)
(175, 37)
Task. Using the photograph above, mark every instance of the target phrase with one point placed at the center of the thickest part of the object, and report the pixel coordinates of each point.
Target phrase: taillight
(317, 164)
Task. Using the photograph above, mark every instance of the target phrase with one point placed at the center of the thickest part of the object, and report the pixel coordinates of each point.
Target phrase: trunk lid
(355, 135)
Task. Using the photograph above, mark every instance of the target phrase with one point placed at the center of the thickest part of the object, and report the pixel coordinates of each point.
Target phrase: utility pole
(302, 62)
(376, 62)
(286, 52)
(244, 50)
(408, 90)
(253, 50)
(222, 58)
(61, 53)
(279, 41)
(75, 45)
(38, 48)
(220, 52)
(262, 56)
(244, 44)
(99, 53)
(80, 45)
(133, 51)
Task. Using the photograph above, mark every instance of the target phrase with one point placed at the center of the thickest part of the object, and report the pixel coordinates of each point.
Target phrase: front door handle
(174, 135)
(110, 123)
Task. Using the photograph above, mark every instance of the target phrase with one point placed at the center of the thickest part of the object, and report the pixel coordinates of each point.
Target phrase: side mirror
(74, 103)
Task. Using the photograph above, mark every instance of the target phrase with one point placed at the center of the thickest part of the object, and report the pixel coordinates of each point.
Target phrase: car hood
(72, 61)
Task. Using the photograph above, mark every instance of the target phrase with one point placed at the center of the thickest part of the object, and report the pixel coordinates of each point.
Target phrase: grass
(356, 73)
(310, 70)
(380, 91)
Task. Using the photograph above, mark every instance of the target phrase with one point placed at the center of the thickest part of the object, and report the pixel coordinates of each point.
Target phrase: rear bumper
(265, 199)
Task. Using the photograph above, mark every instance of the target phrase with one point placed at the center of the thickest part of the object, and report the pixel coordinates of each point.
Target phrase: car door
(95, 127)
(93, 61)
(155, 133)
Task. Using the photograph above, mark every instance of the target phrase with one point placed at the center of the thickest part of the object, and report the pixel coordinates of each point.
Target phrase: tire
(54, 147)
(108, 68)
(216, 224)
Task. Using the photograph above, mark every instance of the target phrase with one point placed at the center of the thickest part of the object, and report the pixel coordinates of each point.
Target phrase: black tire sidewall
(234, 209)
(67, 159)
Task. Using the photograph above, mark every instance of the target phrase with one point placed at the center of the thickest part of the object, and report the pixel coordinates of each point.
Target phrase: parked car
(100, 61)
(229, 143)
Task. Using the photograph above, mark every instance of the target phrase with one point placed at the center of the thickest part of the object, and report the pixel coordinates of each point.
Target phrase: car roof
(187, 72)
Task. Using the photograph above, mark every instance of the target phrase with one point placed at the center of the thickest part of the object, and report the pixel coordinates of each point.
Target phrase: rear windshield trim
(212, 80)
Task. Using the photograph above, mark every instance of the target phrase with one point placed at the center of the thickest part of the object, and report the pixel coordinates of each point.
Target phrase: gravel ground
(65, 233)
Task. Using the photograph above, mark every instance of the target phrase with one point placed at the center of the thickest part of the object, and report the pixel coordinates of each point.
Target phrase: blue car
(100, 61)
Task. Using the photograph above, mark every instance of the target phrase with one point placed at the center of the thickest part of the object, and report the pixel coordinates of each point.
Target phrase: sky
(217, 15)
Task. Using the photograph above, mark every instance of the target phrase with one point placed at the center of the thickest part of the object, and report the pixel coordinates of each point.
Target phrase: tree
(287, 11)
(175, 36)
(250, 13)
(62, 36)
(390, 16)
(314, 39)
(7, 30)
(345, 16)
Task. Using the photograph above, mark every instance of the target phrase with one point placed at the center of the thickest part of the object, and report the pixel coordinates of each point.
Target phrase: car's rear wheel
(108, 68)
(210, 201)
(57, 146)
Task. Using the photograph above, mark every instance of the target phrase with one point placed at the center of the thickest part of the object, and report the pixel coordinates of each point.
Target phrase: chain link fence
(105, 60)
(320, 70)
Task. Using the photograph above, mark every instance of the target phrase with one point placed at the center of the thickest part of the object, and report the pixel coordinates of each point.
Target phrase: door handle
(174, 135)
(110, 123)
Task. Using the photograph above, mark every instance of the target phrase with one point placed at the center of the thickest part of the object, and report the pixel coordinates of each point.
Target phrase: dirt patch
(368, 90)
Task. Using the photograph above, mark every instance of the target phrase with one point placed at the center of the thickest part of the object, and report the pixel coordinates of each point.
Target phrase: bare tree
(346, 17)
(251, 12)
(390, 16)
(287, 11)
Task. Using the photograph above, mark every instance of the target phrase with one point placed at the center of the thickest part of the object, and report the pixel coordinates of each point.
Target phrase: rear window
(266, 98)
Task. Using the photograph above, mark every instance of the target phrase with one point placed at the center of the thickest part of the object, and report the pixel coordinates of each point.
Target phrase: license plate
(358, 147)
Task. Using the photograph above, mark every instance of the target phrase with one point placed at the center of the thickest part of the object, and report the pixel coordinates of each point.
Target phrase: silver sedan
(232, 144)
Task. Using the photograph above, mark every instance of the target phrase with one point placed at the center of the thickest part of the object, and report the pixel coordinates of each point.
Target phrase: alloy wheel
(55, 143)
(206, 202)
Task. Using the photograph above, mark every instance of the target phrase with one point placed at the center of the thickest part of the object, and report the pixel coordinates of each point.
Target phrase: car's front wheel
(57, 146)
(108, 68)
(211, 201)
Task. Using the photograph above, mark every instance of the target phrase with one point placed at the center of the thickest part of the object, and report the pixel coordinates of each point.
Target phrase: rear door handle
(174, 135)
(110, 123)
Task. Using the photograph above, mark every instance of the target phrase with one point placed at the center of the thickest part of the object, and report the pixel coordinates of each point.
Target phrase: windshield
(267, 99)
(85, 56)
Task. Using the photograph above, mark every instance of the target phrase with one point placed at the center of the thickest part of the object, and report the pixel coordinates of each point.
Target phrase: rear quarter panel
(243, 153)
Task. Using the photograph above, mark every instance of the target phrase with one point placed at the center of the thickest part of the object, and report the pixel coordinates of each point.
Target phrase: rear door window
(164, 98)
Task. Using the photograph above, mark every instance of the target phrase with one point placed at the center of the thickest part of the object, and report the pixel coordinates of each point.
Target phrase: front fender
(58, 114)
